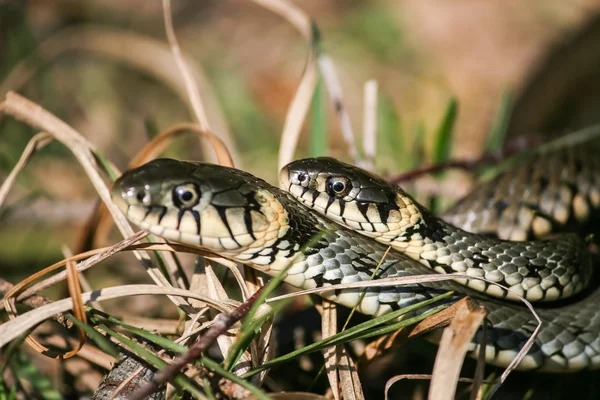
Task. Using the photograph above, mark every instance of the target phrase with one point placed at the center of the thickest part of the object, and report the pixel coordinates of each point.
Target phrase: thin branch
(223, 322)
(511, 148)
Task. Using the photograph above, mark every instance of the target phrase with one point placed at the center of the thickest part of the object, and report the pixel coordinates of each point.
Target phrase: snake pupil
(301, 177)
(186, 196)
(338, 186)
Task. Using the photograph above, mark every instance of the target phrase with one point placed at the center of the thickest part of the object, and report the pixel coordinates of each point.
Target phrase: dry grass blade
(478, 376)
(330, 354)
(431, 278)
(34, 115)
(95, 256)
(12, 329)
(190, 84)
(32, 301)
(78, 311)
(335, 92)
(398, 378)
(163, 139)
(74, 288)
(218, 292)
(36, 143)
(370, 124)
(143, 54)
(397, 339)
(297, 111)
(453, 348)
(351, 387)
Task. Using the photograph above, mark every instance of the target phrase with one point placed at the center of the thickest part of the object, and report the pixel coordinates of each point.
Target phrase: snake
(538, 270)
(241, 217)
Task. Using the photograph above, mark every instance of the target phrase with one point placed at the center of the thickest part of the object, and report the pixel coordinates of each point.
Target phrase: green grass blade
(216, 368)
(418, 150)
(101, 341)
(350, 333)
(443, 135)
(180, 380)
(500, 126)
(152, 337)
(391, 145)
(318, 139)
(26, 371)
(245, 337)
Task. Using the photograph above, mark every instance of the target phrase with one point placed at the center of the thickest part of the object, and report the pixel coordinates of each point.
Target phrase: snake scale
(243, 218)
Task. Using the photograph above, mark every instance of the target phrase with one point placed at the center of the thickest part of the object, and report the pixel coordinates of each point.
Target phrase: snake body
(241, 217)
(552, 192)
(539, 270)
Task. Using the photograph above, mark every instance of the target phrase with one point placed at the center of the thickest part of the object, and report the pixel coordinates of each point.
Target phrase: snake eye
(338, 186)
(186, 196)
(301, 177)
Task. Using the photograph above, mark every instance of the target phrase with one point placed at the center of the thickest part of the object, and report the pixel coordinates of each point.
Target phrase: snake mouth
(199, 204)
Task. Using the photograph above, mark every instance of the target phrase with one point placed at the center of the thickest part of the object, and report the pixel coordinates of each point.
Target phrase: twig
(223, 322)
(190, 84)
(335, 93)
(370, 124)
(512, 147)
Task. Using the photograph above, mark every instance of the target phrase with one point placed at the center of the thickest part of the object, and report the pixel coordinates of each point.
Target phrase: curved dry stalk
(12, 329)
(36, 143)
(334, 88)
(84, 151)
(370, 124)
(159, 143)
(95, 256)
(190, 84)
(296, 114)
(141, 53)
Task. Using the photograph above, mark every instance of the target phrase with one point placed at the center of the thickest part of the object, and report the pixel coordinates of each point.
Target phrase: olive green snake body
(243, 218)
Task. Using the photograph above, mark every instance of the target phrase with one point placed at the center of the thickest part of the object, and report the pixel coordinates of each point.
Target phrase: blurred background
(105, 68)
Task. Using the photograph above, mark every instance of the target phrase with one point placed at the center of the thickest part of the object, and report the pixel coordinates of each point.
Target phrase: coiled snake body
(241, 217)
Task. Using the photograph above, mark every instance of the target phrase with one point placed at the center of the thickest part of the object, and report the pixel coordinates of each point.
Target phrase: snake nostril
(140, 195)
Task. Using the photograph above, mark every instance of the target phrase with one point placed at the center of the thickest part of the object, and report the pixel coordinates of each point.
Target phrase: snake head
(351, 196)
(205, 205)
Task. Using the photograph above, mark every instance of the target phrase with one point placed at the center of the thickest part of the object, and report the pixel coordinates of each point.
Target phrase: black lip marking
(330, 201)
(148, 211)
(161, 213)
(342, 208)
(180, 216)
(384, 213)
(222, 211)
(196, 215)
(315, 194)
(304, 190)
(363, 208)
(248, 223)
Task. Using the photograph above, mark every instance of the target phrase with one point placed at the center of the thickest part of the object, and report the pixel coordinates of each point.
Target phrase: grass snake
(243, 218)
